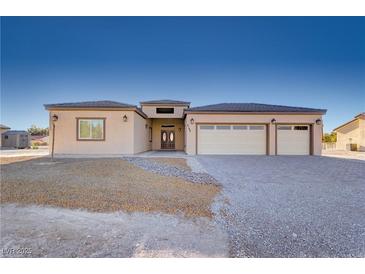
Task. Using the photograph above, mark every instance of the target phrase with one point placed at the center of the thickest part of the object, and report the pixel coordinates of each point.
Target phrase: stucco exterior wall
(191, 129)
(179, 132)
(2, 130)
(141, 134)
(362, 135)
(150, 111)
(119, 135)
(352, 133)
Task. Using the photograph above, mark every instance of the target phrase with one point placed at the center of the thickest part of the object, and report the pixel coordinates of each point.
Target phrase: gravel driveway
(291, 206)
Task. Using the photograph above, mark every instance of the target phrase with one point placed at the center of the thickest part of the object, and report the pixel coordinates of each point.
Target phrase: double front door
(167, 139)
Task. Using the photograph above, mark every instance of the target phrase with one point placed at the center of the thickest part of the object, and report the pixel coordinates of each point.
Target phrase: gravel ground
(58, 232)
(290, 206)
(165, 169)
(103, 185)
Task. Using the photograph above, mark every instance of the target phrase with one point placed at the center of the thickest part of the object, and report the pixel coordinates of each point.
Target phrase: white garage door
(232, 139)
(293, 140)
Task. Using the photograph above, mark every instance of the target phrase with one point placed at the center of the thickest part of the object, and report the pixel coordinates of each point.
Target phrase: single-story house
(351, 135)
(108, 127)
(3, 129)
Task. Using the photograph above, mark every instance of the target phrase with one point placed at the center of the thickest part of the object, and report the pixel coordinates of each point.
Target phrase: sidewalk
(41, 151)
(356, 155)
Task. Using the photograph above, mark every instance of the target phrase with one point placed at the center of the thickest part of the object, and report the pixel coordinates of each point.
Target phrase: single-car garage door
(293, 140)
(232, 139)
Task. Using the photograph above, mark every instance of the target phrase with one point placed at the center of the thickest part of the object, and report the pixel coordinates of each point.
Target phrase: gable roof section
(357, 117)
(253, 107)
(164, 102)
(95, 105)
(4, 126)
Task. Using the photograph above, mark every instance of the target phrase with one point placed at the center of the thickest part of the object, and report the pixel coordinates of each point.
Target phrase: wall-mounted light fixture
(179, 128)
(55, 118)
(125, 118)
(273, 120)
(318, 121)
(192, 121)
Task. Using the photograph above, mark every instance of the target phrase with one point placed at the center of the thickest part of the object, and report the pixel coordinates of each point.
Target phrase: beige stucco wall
(150, 111)
(179, 132)
(253, 118)
(141, 134)
(354, 133)
(2, 130)
(362, 134)
(119, 135)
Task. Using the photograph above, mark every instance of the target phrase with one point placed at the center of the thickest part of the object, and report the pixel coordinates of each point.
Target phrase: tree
(330, 137)
(38, 131)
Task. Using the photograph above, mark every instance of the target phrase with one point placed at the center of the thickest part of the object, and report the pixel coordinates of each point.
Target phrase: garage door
(293, 140)
(232, 139)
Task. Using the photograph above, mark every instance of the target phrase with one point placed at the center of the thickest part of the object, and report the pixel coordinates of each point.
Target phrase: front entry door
(167, 139)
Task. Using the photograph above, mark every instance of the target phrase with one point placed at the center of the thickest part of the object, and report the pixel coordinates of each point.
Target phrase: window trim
(89, 118)
(206, 127)
(172, 109)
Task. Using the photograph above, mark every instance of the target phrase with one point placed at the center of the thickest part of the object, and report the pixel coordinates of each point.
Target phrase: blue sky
(298, 61)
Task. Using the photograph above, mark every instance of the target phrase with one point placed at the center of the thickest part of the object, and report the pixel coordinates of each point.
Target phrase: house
(3, 129)
(108, 127)
(351, 135)
(15, 139)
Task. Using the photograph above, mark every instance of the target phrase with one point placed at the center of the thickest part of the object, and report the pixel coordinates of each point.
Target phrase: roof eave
(256, 112)
(345, 124)
(52, 108)
(164, 104)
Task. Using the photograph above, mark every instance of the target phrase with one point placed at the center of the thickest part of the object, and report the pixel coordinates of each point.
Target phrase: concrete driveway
(291, 206)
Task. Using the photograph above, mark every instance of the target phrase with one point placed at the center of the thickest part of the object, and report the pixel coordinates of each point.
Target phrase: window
(91, 129)
(150, 134)
(239, 127)
(6, 137)
(165, 110)
(257, 127)
(207, 127)
(300, 127)
(284, 127)
(223, 127)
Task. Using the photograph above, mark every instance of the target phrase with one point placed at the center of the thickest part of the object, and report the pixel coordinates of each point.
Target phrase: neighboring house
(107, 127)
(15, 139)
(351, 135)
(3, 129)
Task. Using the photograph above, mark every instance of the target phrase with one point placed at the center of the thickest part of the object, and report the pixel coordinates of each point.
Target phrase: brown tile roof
(164, 102)
(251, 107)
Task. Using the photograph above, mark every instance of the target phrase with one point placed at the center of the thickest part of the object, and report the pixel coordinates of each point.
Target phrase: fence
(329, 146)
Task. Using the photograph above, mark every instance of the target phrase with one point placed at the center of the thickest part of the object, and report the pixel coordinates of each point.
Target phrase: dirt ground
(10, 160)
(102, 185)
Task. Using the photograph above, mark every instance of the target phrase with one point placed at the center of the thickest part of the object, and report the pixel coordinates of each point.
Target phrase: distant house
(351, 135)
(15, 139)
(3, 129)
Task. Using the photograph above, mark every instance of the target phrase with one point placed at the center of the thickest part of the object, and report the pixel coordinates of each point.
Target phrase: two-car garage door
(251, 139)
(232, 139)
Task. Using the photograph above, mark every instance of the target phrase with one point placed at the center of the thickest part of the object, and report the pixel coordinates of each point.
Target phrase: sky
(316, 62)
